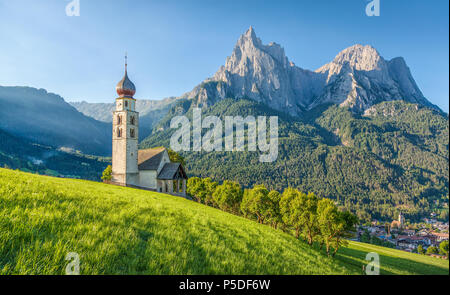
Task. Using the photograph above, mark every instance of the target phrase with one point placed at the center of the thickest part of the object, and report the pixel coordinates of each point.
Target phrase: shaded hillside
(374, 165)
(45, 118)
(17, 153)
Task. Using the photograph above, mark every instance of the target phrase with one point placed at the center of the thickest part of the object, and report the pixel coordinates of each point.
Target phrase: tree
(420, 250)
(245, 205)
(387, 228)
(210, 187)
(307, 205)
(335, 226)
(443, 247)
(274, 213)
(228, 196)
(299, 210)
(175, 157)
(256, 202)
(287, 211)
(107, 173)
(432, 250)
(349, 222)
(328, 221)
(196, 189)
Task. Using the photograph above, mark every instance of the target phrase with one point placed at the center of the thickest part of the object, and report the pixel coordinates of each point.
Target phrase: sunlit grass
(119, 230)
(393, 261)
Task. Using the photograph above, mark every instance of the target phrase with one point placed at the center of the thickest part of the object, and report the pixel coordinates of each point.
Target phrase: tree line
(304, 215)
(443, 249)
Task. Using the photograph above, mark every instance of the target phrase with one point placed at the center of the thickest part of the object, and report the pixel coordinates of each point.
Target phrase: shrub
(107, 173)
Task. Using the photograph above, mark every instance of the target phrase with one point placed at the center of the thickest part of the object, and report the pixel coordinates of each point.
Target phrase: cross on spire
(126, 61)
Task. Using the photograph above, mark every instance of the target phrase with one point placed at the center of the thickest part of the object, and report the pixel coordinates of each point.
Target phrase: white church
(148, 169)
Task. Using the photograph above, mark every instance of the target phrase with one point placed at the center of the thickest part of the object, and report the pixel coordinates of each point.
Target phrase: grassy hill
(119, 230)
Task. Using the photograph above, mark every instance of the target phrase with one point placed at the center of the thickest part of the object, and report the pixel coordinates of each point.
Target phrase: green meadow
(118, 230)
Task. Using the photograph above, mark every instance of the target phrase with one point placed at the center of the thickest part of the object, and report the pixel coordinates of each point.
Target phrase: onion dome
(125, 88)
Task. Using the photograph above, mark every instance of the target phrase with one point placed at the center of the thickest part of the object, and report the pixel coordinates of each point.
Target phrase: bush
(432, 250)
(420, 250)
(107, 173)
(443, 247)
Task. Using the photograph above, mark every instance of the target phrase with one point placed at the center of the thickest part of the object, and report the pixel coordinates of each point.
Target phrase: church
(148, 169)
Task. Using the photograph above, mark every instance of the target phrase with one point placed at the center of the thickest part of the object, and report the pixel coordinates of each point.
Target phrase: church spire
(126, 88)
(126, 61)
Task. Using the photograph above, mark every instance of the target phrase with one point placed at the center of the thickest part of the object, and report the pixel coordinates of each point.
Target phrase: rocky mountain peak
(251, 33)
(357, 58)
(248, 40)
(360, 57)
(358, 77)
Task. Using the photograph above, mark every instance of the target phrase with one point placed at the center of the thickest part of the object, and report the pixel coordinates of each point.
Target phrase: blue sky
(174, 45)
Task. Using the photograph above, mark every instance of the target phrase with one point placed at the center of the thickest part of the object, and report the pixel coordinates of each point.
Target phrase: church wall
(165, 159)
(131, 114)
(132, 156)
(125, 147)
(133, 179)
(118, 159)
(147, 178)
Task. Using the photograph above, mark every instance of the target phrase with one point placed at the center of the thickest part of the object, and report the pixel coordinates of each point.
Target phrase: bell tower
(125, 134)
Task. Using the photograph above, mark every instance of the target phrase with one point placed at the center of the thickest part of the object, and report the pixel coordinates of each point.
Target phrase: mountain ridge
(45, 118)
(358, 77)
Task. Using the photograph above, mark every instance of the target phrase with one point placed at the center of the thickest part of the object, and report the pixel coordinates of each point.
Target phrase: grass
(119, 230)
(393, 261)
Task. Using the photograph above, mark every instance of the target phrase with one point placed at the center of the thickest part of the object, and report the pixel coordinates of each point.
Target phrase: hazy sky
(174, 45)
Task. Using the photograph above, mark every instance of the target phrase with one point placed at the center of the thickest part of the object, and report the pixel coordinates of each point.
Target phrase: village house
(412, 241)
(440, 237)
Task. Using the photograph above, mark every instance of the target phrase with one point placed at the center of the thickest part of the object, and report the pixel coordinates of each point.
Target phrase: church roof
(172, 171)
(150, 159)
(126, 88)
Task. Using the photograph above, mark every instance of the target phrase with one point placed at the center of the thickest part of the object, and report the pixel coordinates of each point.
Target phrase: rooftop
(149, 159)
(172, 171)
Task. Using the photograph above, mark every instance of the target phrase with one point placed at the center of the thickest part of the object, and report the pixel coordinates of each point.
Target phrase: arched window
(119, 119)
(126, 103)
(132, 133)
(132, 120)
(119, 132)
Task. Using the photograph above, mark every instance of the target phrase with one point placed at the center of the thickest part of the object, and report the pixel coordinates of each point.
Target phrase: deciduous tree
(107, 173)
(196, 189)
(228, 196)
(432, 250)
(420, 250)
(274, 213)
(443, 247)
(287, 211)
